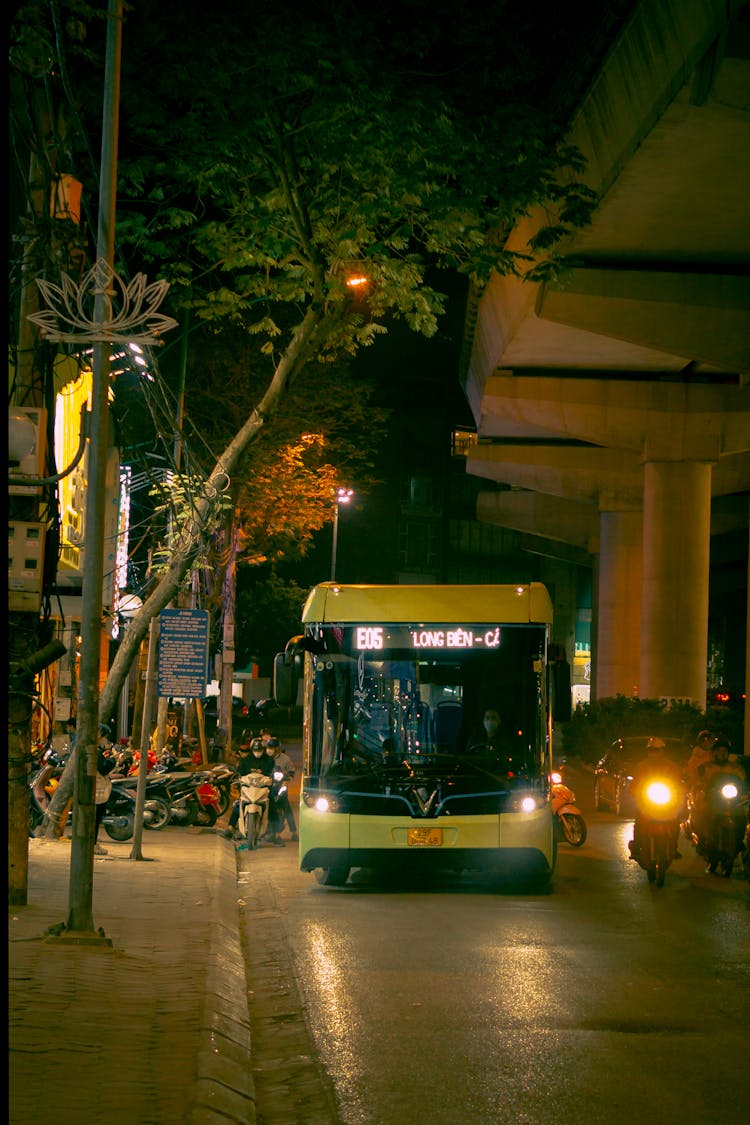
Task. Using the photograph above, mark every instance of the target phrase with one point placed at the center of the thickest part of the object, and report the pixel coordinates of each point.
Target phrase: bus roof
(413, 605)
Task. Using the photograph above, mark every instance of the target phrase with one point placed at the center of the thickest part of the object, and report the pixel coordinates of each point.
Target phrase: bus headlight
(321, 803)
(526, 803)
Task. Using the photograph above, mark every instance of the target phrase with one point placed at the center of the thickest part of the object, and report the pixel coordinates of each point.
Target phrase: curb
(224, 1088)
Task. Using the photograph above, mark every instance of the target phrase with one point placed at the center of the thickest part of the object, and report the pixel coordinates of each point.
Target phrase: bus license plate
(424, 837)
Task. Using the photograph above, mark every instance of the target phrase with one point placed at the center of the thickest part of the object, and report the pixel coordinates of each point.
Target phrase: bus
(398, 772)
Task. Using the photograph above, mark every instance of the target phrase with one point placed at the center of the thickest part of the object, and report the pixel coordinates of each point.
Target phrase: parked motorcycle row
(177, 797)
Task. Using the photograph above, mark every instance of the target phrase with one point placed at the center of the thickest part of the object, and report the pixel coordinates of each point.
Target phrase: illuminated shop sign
(376, 638)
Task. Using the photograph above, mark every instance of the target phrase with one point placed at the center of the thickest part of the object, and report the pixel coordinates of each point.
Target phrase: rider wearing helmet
(256, 757)
(656, 765)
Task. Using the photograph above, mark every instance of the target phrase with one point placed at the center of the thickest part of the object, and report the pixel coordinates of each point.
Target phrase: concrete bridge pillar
(674, 610)
(618, 607)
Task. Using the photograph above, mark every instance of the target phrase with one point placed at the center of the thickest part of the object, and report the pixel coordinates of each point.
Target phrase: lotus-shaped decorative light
(74, 315)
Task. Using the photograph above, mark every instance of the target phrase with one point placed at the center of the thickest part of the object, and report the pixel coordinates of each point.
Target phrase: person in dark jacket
(255, 757)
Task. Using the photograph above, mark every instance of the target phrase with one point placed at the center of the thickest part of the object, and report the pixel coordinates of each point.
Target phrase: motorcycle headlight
(729, 791)
(659, 793)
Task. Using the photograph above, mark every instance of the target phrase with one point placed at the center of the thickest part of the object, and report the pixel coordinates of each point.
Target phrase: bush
(593, 726)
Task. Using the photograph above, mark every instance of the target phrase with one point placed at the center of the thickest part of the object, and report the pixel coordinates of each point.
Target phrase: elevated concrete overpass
(615, 404)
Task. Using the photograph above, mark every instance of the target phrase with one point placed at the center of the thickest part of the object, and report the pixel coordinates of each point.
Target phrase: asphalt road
(604, 1001)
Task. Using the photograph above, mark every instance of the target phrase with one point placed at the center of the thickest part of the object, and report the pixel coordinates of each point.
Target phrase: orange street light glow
(353, 282)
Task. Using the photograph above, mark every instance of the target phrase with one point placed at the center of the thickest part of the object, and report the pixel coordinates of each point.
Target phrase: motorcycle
(119, 818)
(178, 799)
(569, 821)
(258, 794)
(657, 826)
(194, 800)
(157, 811)
(717, 822)
(225, 780)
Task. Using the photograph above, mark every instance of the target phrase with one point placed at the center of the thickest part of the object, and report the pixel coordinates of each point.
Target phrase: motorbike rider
(256, 757)
(283, 804)
(700, 754)
(656, 765)
(721, 764)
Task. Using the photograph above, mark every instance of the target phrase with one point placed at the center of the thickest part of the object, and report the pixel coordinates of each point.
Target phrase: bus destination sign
(376, 638)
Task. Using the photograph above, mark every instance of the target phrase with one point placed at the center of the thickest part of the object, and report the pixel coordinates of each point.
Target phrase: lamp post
(343, 496)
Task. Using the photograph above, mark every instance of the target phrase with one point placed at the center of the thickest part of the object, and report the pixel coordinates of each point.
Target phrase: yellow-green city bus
(427, 730)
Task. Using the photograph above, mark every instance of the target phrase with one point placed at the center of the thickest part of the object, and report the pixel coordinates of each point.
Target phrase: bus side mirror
(288, 667)
(560, 677)
(285, 680)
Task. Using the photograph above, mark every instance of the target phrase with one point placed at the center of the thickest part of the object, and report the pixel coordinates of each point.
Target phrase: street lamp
(343, 496)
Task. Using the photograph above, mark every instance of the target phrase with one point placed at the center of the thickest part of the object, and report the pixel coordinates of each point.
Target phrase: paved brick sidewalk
(154, 1029)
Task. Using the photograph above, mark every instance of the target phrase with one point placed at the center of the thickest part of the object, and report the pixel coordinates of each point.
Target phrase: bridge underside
(613, 407)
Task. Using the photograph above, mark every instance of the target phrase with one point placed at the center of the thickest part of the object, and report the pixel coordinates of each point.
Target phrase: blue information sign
(183, 653)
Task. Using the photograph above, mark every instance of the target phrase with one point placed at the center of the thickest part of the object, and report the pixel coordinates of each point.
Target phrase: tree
(270, 162)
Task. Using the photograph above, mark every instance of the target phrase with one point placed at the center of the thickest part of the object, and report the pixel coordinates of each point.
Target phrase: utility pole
(100, 330)
(80, 920)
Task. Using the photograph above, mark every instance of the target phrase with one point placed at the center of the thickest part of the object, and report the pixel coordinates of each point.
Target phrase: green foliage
(593, 726)
(290, 150)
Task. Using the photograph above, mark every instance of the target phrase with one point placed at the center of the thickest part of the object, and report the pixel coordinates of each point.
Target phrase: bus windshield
(409, 697)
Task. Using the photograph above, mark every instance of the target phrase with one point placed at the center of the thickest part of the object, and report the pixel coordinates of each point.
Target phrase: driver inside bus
(494, 743)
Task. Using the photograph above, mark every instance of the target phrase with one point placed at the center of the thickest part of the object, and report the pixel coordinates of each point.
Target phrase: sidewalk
(152, 1029)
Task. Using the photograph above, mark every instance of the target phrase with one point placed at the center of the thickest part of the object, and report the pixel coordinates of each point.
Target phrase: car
(614, 770)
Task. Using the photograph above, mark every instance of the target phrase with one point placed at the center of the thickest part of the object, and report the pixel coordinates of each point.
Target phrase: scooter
(225, 779)
(568, 818)
(258, 793)
(657, 826)
(194, 801)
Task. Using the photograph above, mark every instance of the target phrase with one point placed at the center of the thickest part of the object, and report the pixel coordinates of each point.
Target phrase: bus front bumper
(487, 843)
